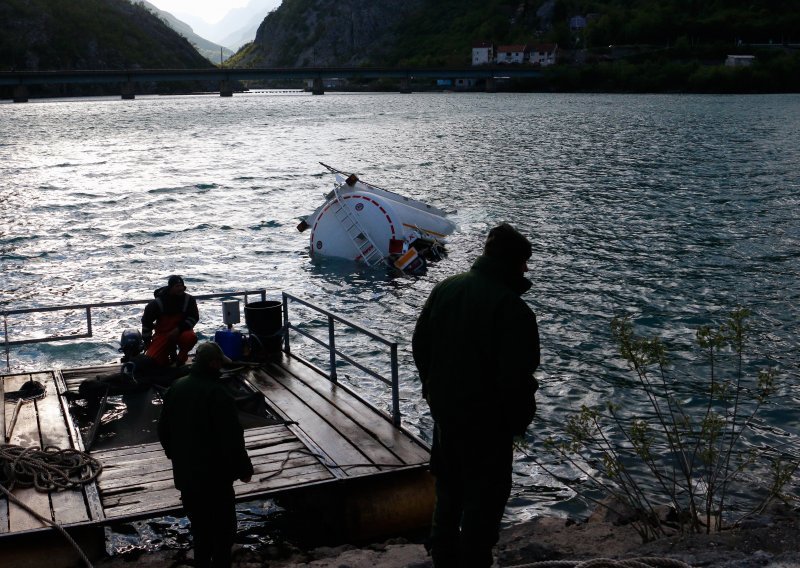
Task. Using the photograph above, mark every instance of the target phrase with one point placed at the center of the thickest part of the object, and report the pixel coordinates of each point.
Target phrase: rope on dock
(644, 562)
(48, 469)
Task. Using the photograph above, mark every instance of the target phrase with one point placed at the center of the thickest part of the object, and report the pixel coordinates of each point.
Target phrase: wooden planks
(331, 435)
(3, 499)
(68, 506)
(2, 411)
(401, 444)
(42, 422)
(316, 423)
(138, 479)
(91, 496)
(356, 436)
(26, 433)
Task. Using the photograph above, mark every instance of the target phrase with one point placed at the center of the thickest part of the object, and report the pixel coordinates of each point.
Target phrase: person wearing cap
(476, 346)
(200, 432)
(168, 323)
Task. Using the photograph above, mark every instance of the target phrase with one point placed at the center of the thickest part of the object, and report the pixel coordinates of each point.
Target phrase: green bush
(695, 459)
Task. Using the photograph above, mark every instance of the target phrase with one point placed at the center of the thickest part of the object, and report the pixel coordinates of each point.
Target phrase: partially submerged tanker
(368, 224)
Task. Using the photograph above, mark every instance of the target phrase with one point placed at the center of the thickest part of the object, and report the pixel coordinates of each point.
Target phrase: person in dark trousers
(476, 346)
(200, 432)
(168, 323)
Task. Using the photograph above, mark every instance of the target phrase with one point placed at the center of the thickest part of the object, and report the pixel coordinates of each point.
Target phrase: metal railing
(88, 315)
(333, 352)
(330, 344)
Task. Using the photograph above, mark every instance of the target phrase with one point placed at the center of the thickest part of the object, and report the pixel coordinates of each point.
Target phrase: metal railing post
(286, 348)
(395, 387)
(89, 320)
(332, 348)
(8, 347)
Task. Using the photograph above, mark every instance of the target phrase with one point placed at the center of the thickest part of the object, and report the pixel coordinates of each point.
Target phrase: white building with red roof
(511, 53)
(543, 54)
(483, 53)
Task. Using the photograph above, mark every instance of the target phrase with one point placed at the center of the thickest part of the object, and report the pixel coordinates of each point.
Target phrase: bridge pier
(317, 88)
(491, 85)
(405, 86)
(20, 94)
(225, 89)
(127, 91)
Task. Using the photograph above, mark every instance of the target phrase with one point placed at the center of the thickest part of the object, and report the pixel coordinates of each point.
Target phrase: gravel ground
(772, 541)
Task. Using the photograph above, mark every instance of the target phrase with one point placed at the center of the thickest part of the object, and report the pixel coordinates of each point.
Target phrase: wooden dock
(334, 458)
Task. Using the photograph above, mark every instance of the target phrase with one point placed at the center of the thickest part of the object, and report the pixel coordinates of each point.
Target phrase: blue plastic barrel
(230, 342)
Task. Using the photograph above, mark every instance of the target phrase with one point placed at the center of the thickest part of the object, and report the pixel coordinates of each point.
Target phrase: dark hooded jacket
(200, 431)
(476, 346)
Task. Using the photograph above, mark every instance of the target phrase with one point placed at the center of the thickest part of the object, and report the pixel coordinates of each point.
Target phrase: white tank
(365, 223)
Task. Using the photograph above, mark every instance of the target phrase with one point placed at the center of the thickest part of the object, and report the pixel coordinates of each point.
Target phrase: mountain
(205, 47)
(441, 32)
(239, 26)
(44, 35)
(327, 33)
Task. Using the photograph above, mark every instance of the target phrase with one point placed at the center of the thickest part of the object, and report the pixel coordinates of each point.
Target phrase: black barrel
(265, 322)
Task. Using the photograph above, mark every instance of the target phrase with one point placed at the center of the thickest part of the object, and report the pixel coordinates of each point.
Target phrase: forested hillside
(438, 32)
(622, 45)
(441, 32)
(89, 34)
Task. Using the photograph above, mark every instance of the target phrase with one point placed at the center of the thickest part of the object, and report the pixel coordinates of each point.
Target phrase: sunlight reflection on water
(673, 209)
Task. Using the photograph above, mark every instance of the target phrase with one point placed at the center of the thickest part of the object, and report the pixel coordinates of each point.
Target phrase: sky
(209, 10)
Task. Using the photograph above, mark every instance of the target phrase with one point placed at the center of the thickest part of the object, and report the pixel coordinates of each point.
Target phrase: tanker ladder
(370, 254)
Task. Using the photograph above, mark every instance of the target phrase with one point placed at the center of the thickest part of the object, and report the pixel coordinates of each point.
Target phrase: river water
(670, 209)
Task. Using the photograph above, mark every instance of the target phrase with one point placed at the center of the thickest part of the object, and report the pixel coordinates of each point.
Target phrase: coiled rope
(48, 469)
(644, 562)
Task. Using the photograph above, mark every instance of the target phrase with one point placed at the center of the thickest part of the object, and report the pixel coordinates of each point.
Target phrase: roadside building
(482, 53)
(511, 54)
(740, 60)
(544, 54)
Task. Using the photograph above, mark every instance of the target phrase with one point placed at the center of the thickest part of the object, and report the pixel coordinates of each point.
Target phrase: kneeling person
(168, 322)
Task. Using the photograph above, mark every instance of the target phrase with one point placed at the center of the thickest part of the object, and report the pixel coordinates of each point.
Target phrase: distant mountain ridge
(207, 48)
(41, 35)
(441, 32)
(303, 33)
(243, 23)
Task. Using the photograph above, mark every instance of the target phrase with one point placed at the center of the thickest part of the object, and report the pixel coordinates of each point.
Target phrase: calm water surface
(670, 209)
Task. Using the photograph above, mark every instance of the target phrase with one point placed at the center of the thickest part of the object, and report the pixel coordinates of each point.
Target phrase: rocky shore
(772, 540)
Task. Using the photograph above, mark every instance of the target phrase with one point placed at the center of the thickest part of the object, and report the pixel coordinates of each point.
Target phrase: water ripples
(669, 209)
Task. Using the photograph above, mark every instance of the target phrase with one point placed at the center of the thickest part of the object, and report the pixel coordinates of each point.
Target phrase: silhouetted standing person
(476, 345)
(200, 431)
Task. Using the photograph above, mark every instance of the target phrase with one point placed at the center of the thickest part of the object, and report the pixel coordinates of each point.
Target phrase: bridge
(127, 79)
